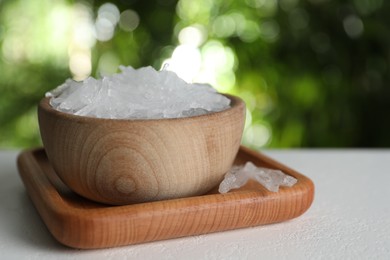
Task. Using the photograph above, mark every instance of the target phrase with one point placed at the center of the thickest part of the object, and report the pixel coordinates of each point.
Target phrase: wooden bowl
(117, 161)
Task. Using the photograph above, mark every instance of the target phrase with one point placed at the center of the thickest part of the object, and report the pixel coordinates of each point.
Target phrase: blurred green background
(313, 73)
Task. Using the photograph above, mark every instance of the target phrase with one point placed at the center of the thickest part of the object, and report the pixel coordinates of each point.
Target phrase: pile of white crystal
(271, 179)
(137, 94)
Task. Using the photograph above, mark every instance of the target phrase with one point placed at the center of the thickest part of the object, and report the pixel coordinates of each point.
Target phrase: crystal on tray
(137, 94)
(271, 179)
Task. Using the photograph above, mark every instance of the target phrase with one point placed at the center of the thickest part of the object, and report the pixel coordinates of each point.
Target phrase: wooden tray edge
(90, 228)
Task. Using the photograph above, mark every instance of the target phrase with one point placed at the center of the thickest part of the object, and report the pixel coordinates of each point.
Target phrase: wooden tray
(81, 223)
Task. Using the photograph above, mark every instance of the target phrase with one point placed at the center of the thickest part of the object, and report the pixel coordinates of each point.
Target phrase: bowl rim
(236, 103)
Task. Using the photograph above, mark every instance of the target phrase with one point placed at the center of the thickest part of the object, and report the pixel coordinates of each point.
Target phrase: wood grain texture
(78, 222)
(130, 161)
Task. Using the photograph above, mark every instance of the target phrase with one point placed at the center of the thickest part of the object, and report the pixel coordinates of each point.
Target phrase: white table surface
(349, 219)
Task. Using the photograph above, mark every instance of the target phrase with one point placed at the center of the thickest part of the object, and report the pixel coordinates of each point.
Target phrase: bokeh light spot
(80, 64)
(13, 49)
(257, 135)
(217, 57)
(104, 29)
(239, 21)
(108, 64)
(251, 32)
(129, 20)
(193, 35)
(269, 31)
(224, 26)
(190, 10)
(108, 17)
(110, 12)
(266, 8)
(353, 26)
(185, 62)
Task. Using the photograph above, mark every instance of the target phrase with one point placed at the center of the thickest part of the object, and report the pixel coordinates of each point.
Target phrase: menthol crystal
(271, 179)
(137, 94)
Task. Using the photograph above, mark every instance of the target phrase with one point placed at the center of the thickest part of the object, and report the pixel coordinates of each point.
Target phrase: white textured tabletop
(349, 219)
